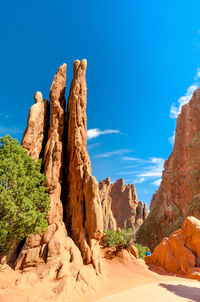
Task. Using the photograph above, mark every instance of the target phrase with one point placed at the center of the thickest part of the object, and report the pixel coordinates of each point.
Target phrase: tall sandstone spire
(178, 194)
(82, 207)
(59, 254)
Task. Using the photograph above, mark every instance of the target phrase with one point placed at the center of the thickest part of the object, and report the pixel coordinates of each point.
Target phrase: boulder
(180, 253)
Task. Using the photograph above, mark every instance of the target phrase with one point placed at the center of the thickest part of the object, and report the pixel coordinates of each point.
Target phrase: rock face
(109, 222)
(69, 242)
(36, 248)
(37, 126)
(175, 198)
(53, 155)
(120, 205)
(83, 208)
(180, 254)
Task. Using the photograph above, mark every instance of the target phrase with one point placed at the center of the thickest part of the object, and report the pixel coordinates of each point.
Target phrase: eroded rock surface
(36, 248)
(120, 205)
(37, 127)
(180, 253)
(109, 222)
(83, 208)
(174, 199)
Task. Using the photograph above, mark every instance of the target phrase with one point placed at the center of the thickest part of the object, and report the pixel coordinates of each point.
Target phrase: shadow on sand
(188, 292)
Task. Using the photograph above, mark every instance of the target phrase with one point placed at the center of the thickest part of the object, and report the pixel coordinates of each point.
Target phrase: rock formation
(109, 222)
(180, 253)
(53, 155)
(37, 126)
(73, 193)
(120, 205)
(175, 198)
(83, 208)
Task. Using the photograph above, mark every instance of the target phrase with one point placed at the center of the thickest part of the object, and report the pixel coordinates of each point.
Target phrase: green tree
(24, 202)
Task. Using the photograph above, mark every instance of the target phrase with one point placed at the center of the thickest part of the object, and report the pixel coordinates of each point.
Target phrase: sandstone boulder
(180, 253)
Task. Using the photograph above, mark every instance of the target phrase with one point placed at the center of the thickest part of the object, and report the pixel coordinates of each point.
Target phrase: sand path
(172, 291)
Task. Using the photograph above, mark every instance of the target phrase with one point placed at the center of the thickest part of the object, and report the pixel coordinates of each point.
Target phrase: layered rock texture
(75, 217)
(180, 253)
(177, 196)
(120, 205)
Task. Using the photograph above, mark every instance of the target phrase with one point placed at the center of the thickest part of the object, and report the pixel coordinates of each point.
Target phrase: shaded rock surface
(121, 208)
(180, 253)
(175, 198)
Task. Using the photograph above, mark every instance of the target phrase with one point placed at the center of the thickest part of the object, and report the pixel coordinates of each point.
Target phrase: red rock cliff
(176, 197)
(120, 205)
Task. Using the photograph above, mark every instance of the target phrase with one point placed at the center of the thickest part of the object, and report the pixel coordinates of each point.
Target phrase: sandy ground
(172, 291)
(125, 279)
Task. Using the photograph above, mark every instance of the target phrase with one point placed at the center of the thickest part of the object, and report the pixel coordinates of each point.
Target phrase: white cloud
(92, 146)
(171, 139)
(111, 153)
(130, 158)
(5, 115)
(139, 181)
(156, 182)
(174, 110)
(93, 133)
(152, 169)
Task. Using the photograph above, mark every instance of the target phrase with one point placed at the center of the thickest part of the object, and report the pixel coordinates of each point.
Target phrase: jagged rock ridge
(120, 205)
(177, 196)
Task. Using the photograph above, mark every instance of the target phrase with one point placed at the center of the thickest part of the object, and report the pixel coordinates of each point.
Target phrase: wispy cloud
(92, 146)
(9, 130)
(175, 110)
(151, 169)
(156, 182)
(130, 158)
(93, 133)
(171, 139)
(112, 153)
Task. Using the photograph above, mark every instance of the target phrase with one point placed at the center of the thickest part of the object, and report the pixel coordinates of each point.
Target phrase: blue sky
(143, 59)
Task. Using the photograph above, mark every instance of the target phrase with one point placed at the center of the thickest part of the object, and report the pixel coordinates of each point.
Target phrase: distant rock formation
(75, 205)
(37, 126)
(180, 253)
(109, 222)
(176, 197)
(120, 205)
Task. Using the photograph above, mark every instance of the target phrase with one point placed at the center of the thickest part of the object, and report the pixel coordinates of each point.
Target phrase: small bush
(141, 250)
(119, 239)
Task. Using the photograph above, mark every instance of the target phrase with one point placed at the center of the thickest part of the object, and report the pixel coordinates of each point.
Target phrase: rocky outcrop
(36, 131)
(83, 208)
(53, 155)
(109, 222)
(36, 248)
(175, 198)
(180, 253)
(75, 220)
(120, 205)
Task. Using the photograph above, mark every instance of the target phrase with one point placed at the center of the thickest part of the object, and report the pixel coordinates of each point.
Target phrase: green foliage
(141, 250)
(119, 239)
(24, 203)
